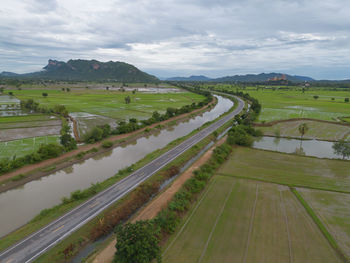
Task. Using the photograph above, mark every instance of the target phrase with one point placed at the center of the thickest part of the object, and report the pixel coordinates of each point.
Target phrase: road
(39, 242)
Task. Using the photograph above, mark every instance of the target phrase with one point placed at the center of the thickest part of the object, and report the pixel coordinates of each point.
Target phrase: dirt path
(160, 202)
(63, 158)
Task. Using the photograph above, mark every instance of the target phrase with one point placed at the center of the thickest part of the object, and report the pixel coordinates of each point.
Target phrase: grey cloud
(214, 37)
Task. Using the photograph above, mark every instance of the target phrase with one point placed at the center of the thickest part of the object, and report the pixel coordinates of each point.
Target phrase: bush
(107, 144)
(238, 135)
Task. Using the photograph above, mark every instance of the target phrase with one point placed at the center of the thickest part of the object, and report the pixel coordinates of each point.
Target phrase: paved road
(36, 244)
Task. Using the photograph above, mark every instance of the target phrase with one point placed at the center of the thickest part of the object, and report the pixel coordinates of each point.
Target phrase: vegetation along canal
(23, 203)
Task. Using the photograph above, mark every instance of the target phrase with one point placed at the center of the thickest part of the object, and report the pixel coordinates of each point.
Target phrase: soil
(158, 203)
(35, 171)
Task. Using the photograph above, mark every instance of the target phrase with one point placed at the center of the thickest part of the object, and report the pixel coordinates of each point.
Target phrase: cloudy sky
(181, 37)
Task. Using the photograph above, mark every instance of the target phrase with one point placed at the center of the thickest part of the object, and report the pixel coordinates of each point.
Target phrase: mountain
(262, 77)
(191, 78)
(8, 74)
(91, 70)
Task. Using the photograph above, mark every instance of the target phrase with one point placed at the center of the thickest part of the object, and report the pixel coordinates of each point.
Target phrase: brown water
(19, 205)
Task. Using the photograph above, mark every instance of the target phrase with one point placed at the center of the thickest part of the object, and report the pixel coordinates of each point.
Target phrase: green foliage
(342, 148)
(68, 142)
(240, 135)
(45, 151)
(137, 243)
(303, 128)
(107, 144)
(127, 100)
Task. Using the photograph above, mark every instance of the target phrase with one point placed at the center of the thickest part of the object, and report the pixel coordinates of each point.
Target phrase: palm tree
(303, 128)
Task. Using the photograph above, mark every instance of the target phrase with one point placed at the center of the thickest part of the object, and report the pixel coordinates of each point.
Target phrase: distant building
(282, 78)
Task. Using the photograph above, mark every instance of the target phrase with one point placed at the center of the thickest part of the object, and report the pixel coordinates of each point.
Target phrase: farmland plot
(244, 221)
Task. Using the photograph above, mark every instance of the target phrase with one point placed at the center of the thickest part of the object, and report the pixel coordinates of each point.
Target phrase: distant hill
(8, 74)
(91, 70)
(262, 77)
(191, 78)
(244, 78)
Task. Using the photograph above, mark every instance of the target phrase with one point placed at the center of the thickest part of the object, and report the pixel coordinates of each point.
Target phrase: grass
(295, 104)
(286, 169)
(244, 221)
(334, 212)
(317, 130)
(286, 104)
(25, 146)
(110, 103)
(26, 118)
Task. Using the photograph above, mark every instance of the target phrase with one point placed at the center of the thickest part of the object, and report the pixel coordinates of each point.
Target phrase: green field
(110, 103)
(334, 211)
(282, 104)
(277, 105)
(244, 221)
(25, 146)
(27, 118)
(288, 169)
(317, 130)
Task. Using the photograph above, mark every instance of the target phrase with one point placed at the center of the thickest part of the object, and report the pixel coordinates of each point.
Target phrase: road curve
(36, 244)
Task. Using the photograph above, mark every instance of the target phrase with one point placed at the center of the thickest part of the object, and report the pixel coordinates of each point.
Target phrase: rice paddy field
(239, 220)
(251, 212)
(89, 106)
(286, 104)
(288, 169)
(317, 130)
(334, 211)
(21, 147)
(282, 104)
(110, 103)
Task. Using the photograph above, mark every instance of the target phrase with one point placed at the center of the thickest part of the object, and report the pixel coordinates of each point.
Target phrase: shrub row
(45, 151)
(100, 132)
(169, 218)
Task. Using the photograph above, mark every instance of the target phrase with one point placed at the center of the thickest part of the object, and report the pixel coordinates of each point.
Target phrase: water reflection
(321, 149)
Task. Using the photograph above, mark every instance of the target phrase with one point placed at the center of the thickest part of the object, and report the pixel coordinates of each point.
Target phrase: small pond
(321, 149)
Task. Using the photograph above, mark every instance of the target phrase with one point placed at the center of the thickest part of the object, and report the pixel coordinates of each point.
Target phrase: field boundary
(251, 224)
(216, 222)
(319, 224)
(285, 184)
(287, 227)
(271, 123)
(204, 194)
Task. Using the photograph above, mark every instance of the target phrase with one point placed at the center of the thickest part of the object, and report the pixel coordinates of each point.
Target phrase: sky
(170, 38)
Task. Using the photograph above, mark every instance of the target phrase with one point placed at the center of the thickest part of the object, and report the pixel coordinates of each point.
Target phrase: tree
(346, 100)
(127, 99)
(68, 89)
(316, 97)
(45, 94)
(342, 148)
(68, 142)
(137, 243)
(303, 128)
(11, 93)
(107, 88)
